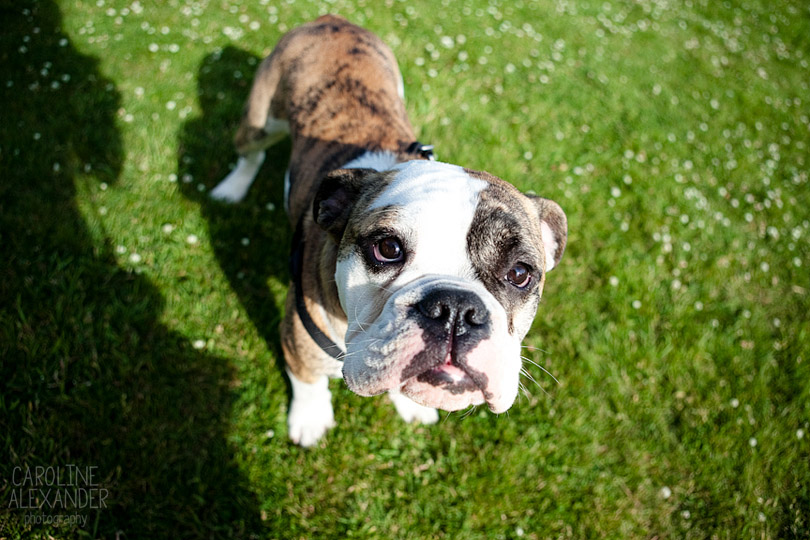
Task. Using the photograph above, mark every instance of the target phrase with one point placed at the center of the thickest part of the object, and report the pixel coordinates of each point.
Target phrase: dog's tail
(260, 127)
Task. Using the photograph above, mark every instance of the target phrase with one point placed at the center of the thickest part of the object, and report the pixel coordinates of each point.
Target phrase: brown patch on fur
(336, 84)
(506, 230)
(305, 359)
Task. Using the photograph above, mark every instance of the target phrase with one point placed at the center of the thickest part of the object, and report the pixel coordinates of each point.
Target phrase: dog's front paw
(410, 411)
(309, 422)
(311, 413)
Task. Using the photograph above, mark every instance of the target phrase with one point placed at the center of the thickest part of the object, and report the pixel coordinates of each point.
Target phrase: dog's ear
(554, 228)
(336, 196)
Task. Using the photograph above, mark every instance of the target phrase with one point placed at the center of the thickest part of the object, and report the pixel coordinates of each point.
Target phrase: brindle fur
(337, 85)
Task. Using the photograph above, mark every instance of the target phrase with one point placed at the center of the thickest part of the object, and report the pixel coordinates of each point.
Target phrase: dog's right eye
(388, 250)
(519, 276)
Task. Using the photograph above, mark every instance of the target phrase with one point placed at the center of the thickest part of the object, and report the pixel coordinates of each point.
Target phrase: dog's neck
(330, 336)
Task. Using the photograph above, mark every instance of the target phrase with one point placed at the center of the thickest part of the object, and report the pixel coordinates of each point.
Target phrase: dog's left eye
(388, 250)
(519, 276)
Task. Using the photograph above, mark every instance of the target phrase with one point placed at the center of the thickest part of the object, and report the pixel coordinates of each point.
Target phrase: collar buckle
(425, 151)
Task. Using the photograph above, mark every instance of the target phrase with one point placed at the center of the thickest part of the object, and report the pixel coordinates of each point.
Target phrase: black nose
(456, 311)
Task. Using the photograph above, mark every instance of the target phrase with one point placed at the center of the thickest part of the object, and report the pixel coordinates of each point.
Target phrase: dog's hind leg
(258, 130)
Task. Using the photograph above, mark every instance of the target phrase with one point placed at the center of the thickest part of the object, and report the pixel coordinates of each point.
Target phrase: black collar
(296, 264)
(424, 151)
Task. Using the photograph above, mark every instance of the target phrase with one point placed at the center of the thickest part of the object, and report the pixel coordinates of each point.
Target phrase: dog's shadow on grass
(250, 238)
(89, 376)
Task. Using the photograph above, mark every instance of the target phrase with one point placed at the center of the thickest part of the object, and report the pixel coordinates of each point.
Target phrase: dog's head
(439, 271)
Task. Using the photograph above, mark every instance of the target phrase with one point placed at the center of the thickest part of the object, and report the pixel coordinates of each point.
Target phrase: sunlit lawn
(139, 320)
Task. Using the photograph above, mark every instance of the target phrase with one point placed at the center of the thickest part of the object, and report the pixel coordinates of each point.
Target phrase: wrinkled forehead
(426, 188)
(431, 206)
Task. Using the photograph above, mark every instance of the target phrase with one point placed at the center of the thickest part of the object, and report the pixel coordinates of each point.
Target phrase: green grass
(674, 134)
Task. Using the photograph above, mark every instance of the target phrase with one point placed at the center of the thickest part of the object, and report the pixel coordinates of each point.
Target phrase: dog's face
(439, 271)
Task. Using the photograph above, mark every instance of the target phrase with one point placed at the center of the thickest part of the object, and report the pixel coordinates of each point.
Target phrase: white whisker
(358, 320)
(468, 412)
(531, 378)
(523, 393)
(529, 347)
(541, 367)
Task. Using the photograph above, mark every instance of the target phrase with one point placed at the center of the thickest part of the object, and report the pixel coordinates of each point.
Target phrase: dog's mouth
(449, 376)
(448, 386)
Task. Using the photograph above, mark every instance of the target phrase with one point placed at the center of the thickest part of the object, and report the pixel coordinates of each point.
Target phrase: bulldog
(409, 276)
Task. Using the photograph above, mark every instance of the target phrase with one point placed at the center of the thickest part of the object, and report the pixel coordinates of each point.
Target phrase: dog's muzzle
(453, 322)
(439, 342)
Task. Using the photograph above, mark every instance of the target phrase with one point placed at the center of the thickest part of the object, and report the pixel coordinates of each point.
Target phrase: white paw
(311, 413)
(235, 186)
(410, 411)
(229, 191)
(309, 422)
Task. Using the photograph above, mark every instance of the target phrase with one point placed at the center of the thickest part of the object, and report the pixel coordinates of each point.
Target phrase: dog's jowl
(409, 276)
